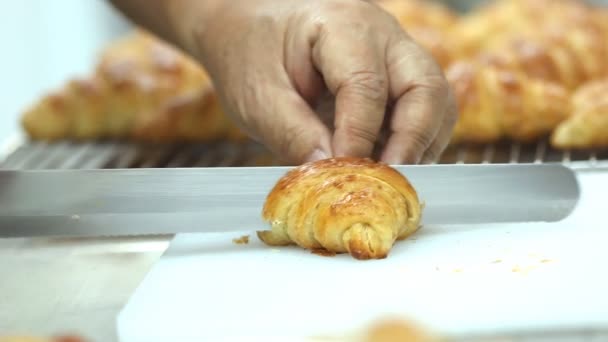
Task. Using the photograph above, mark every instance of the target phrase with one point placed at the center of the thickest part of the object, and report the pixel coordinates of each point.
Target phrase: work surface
(459, 280)
(80, 285)
(50, 286)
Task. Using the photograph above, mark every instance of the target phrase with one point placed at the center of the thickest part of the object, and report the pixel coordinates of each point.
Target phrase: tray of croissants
(522, 72)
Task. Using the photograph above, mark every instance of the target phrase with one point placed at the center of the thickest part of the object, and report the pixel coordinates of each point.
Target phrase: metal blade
(163, 201)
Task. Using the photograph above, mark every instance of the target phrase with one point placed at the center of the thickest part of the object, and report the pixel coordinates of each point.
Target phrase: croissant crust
(343, 205)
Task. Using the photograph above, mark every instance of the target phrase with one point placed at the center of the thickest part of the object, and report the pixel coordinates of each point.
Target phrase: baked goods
(496, 104)
(387, 330)
(523, 64)
(587, 127)
(398, 330)
(498, 20)
(569, 56)
(513, 65)
(342, 205)
(428, 23)
(143, 89)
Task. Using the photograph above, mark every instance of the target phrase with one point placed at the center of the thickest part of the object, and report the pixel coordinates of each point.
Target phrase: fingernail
(317, 155)
(391, 160)
(427, 161)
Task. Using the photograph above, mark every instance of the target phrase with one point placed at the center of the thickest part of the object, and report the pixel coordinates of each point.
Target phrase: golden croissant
(496, 104)
(587, 127)
(429, 24)
(342, 205)
(143, 89)
(568, 56)
(493, 23)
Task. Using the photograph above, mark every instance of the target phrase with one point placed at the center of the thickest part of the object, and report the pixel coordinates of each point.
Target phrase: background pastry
(587, 127)
(428, 23)
(143, 89)
(496, 104)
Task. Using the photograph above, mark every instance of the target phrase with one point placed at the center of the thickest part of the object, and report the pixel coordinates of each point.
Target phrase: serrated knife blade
(109, 202)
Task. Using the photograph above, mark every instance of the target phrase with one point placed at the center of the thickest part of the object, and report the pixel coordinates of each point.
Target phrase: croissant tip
(271, 239)
(363, 251)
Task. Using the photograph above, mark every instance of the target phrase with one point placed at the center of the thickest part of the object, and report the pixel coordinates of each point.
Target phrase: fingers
(291, 129)
(433, 153)
(352, 62)
(422, 105)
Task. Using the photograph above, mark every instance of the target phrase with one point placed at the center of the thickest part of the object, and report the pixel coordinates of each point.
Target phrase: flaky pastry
(342, 205)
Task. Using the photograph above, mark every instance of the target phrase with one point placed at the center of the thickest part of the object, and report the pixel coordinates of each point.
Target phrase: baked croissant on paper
(496, 104)
(587, 127)
(342, 205)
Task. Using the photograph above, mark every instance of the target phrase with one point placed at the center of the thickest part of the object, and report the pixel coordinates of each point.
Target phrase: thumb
(293, 131)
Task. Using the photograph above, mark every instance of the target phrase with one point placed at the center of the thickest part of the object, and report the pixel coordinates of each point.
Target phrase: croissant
(75, 111)
(142, 89)
(342, 205)
(428, 23)
(496, 104)
(189, 117)
(398, 330)
(587, 127)
(569, 56)
(493, 23)
(420, 13)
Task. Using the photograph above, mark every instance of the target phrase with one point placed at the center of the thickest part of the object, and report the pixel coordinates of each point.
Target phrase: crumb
(75, 217)
(457, 270)
(275, 250)
(497, 261)
(545, 261)
(515, 269)
(323, 252)
(436, 268)
(243, 240)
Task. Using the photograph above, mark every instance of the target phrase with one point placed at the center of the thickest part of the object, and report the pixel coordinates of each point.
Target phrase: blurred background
(46, 42)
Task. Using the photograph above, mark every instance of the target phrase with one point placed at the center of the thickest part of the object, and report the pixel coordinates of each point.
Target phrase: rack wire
(19, 154)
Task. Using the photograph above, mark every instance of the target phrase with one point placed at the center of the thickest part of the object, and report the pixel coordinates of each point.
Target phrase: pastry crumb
(497, 261)
(323, 252)
(516, 269)
(243, 240)
(545, 261)
(457, 270)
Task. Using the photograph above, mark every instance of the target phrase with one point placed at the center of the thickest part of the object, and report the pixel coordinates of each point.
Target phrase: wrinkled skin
(277, 63)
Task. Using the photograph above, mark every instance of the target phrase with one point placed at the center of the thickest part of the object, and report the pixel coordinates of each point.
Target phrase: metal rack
(17, 153)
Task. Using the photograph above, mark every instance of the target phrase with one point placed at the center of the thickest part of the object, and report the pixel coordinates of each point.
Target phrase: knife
(110, 202)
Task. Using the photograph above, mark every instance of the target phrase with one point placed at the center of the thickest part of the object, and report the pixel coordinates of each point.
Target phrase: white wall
(44, 42)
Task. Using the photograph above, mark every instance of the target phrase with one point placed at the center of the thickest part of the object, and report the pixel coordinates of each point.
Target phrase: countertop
(53, 286)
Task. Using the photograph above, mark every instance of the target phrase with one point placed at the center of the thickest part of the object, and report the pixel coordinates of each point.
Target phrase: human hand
(273, 61)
